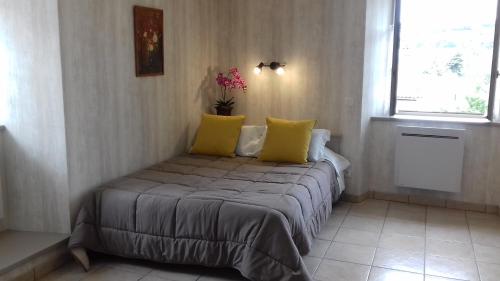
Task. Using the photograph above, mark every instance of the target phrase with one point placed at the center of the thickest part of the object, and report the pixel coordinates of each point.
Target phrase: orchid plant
(228, 83)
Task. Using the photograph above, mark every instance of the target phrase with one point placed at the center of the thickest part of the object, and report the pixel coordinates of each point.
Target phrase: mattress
(257, 217)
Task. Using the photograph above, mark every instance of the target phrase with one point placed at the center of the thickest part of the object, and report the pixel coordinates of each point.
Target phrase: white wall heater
(429, 158)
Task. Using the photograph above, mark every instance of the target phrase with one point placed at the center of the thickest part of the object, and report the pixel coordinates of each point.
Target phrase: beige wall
(117, 123)
(321, 41)
(35, 146)
(480, 181)
(3, 221)
(338, 55)
(59, 145)
(112, 123)
(376, 73)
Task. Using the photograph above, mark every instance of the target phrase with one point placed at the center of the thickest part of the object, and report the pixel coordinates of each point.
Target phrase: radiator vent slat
(429, 158)
(429, 136)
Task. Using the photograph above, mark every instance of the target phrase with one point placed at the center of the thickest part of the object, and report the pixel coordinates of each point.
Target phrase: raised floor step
(31, 253)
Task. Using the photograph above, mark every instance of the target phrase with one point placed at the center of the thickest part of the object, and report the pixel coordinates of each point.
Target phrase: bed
(257, 217)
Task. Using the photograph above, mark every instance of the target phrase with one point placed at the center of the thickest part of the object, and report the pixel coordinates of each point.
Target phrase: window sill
(455, 120)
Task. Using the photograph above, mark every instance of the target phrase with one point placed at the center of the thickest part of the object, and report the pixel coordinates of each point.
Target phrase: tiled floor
(374, 241)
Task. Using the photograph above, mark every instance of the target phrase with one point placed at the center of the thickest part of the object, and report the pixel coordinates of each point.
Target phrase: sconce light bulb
(280, 71)
(257, 70)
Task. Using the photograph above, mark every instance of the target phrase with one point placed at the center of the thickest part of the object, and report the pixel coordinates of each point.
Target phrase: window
(445, 57)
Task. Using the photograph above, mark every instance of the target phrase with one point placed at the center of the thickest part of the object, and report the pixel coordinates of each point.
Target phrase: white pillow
(319, 138)
(251, 141)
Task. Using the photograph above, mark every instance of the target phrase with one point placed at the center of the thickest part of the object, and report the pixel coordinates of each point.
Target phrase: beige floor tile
(451, 268)
(370, 208)
(319, 248)
(486, 238)
(407, 212)
(384, 274)
(484, 226)
(341, 271)
(489, 272)
(481, 219)
(401, 241)
(342, 207)
(177, 273)
(453, 224)
(364, 223)
(449, 233)
(451, 249)
(437, 278)
(359, 237)
(442, 215)
(328, 231)
(400, 260)
(312, 264)
(407, 227)
(336, 218)
(112, 274)
(487, 254)
(351, 253)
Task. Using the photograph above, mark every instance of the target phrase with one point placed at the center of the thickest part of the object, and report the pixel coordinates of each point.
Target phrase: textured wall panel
(35, 146)
(2, 185)
(117, 123)
(321, 41)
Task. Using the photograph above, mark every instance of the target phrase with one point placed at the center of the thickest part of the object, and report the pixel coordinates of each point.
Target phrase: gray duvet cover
(256, 217)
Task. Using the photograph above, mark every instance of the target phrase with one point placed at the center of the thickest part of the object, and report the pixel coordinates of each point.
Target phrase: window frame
(395, 70)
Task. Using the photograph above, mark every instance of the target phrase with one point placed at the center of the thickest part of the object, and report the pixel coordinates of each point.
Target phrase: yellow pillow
(287, 141)
(218, 135)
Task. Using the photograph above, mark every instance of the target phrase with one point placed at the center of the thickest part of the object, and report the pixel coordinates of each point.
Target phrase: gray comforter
(257, 217)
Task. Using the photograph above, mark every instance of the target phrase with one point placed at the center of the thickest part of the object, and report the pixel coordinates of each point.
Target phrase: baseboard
(422, 200)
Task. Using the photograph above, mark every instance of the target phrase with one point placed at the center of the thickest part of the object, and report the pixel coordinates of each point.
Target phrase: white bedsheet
(340, 163)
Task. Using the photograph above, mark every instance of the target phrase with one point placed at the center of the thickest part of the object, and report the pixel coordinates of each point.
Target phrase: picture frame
(148, 37)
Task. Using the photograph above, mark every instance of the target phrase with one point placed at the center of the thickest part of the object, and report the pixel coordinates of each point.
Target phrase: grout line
(352, 262)
(472, 245)
(338, 229)
(379, 237)
(425, 239)
(333, 238)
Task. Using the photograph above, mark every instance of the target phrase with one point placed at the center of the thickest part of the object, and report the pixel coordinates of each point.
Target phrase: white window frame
(395, 64)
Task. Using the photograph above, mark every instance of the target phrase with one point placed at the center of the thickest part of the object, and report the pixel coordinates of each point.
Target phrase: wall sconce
(276, 66)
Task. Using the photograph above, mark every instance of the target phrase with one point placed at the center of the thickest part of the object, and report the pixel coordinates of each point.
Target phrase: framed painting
(148, 36)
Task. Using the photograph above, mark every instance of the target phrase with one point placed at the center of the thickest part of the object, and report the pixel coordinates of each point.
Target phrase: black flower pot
(224, 110)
